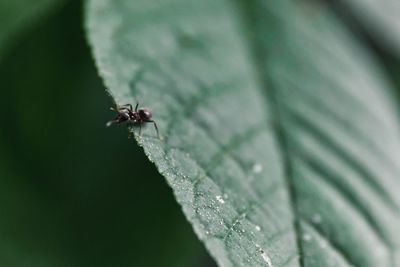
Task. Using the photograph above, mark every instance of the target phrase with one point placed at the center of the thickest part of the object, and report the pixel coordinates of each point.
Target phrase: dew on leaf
(257, 168)
(220, 199)
(307, 237)
(323, 244)
(316, 218)
(264, 256)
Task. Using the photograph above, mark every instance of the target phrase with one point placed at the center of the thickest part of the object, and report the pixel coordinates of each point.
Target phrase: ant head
(145, 114)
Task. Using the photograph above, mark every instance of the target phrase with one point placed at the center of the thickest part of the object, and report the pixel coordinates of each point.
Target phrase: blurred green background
(72, 192)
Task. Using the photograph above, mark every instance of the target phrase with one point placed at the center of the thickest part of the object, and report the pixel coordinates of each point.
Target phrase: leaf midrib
(255, 50)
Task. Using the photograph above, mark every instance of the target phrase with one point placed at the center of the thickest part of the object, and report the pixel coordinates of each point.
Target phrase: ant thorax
(134, 116)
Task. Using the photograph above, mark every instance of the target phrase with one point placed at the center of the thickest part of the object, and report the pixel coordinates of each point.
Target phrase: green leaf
(279, 134)
(19, 15)
(380, 18)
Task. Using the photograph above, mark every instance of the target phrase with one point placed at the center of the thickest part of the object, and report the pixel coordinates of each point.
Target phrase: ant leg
(126, 106)
(155, 126)
(137, 105)
(129, 106)
(131, 130)
(130, 133)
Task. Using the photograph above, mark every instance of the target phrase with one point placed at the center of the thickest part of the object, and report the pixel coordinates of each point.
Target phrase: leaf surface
(279, 135)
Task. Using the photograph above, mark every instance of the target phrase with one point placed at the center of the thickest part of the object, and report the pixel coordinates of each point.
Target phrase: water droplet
(207, 232)
(220, 199)
(257, 168)
(316, 218)
(266, 258)
(307, 237)
(258, 228)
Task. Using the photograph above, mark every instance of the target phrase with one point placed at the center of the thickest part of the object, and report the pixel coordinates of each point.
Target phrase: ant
(137, 117)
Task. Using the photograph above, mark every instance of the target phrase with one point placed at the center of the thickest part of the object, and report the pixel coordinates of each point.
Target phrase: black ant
(137, 117)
